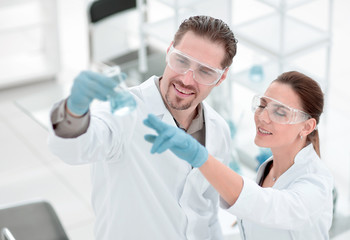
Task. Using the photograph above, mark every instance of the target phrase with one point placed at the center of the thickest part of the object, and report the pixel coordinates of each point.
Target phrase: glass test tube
(122, 102)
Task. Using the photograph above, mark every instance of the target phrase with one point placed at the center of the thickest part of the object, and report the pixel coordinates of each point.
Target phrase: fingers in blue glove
(166, 135)
(153, 122)
(88, 86)
(150, 138)
(165, 140)
(180, 143)
(95, 85)
(100, 78)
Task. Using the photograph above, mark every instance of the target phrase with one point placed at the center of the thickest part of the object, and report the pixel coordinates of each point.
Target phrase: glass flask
(121, 100)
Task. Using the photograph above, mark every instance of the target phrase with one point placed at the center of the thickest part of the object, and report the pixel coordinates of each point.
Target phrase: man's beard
(176, 103)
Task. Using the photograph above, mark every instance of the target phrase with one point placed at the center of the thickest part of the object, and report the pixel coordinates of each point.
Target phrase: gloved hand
(179, 142)
(86, 87)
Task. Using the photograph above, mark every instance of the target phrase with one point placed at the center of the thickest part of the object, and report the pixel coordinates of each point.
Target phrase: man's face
(181, 91)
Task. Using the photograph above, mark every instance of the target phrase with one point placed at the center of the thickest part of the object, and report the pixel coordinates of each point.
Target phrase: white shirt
(298, 206)
(139, 195)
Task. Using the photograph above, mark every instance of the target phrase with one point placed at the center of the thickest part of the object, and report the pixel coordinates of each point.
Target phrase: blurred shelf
(175, 4)
(283, 39)
(24, 15)
(7, 3)
(270, 71)
(288, 4)
(266, 34)
(24, 68)
(28, 41)
(164, 29)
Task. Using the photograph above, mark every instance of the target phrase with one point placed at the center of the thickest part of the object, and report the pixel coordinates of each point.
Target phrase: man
(138, 195)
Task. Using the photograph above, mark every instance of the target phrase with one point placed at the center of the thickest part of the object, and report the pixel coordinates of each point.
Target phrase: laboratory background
(44, 44)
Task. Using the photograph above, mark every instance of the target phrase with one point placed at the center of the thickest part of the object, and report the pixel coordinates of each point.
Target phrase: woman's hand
(176, 140)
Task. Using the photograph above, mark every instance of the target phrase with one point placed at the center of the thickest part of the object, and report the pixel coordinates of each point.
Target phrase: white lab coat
(298, 206)
(139, 195)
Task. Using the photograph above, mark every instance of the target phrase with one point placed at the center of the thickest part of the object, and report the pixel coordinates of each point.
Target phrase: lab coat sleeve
(66, 126)
(101, 142)
(290, 208)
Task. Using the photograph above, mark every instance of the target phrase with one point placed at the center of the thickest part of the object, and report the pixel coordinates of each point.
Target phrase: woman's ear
(309, 126)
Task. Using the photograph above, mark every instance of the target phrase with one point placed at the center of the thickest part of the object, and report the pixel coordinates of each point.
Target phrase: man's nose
(189, 77)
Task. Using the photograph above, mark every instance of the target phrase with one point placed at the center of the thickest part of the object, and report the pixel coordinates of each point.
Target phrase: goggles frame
(297, 116)
(173, 50)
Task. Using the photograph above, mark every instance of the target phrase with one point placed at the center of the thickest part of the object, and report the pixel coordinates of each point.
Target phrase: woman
(292, 196)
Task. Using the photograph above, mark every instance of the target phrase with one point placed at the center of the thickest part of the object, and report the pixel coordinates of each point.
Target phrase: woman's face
(271, 134)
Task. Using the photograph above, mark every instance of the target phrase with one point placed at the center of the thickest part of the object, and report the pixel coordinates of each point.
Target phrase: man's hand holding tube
(86, 87)
(176, 140)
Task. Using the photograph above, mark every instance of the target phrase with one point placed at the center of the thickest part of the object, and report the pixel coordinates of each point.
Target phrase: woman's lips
(263, 131)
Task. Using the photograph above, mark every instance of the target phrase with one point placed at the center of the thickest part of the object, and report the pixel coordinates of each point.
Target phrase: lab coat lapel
(210, 144)
(157, 107)
(211, 135)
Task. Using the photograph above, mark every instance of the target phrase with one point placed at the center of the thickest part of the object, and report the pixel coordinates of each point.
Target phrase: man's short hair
(215, 30)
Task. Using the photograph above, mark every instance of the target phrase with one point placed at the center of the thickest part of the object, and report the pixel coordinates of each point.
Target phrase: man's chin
(178, 106)
(177, 103)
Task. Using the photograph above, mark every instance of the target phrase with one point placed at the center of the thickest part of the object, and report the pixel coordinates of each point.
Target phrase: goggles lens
(202, 73)
(277, 111)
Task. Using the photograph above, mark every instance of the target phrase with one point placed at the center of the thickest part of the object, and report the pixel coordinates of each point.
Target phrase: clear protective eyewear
(278, 112)
(202, 73)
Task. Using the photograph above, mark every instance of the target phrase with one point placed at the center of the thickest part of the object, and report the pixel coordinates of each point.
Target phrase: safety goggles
(202, 73)
(277, 111)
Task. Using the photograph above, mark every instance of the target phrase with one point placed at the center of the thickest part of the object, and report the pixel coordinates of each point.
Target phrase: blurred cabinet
(281, 39)
(28, 41)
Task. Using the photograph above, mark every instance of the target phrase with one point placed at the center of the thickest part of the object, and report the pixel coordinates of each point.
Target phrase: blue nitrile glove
(178, 141)
(86, 87)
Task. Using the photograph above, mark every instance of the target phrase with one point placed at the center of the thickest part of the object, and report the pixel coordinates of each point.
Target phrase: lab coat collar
(302, 157)
(152, 95)
(210, 125)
